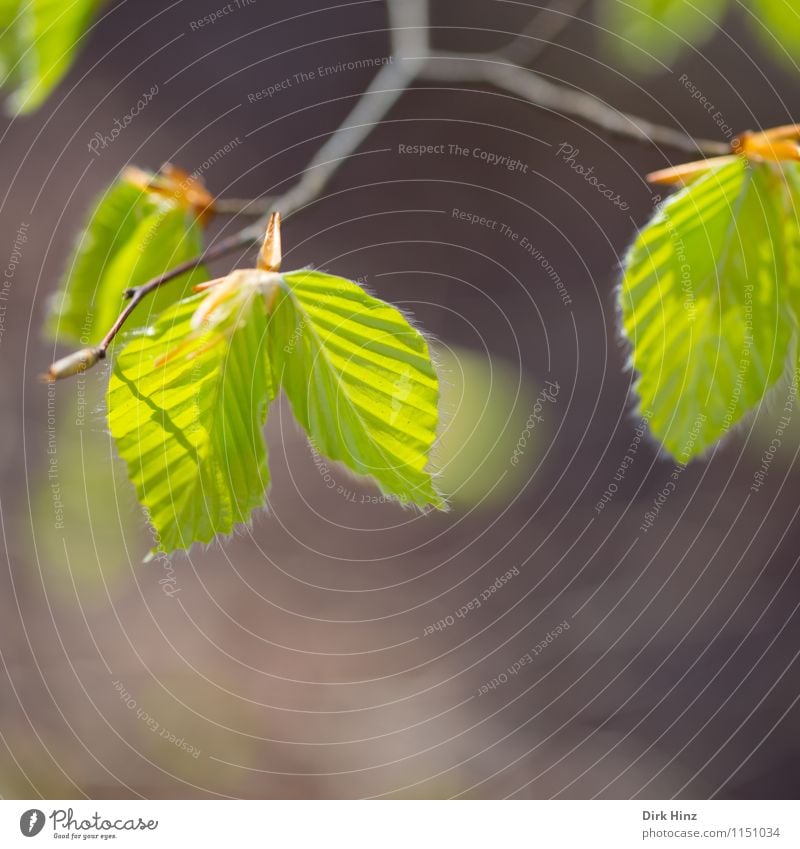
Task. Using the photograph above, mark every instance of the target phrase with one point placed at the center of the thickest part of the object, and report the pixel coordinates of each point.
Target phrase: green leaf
(360, 380)
(647, 35)
(40, 48)
(706, 303)
(190, 428)
(777, 24)
(130, 238)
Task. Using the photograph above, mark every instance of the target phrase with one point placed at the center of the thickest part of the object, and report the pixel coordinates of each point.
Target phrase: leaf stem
(493, 69)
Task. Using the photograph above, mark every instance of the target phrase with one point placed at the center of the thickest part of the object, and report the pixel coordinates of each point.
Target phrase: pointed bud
(73, 364)
(269, 259)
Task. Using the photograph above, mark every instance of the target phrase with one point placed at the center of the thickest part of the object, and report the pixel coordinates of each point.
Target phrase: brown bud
(269, 259)
(73, 364)
(176, 184)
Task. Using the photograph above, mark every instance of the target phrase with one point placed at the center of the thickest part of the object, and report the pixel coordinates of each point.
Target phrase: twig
(79, 361)
(409, 23)
(388, 85)
(544, 28)
(137, 294)
(386, 88)
(490, 68)
(251, 207)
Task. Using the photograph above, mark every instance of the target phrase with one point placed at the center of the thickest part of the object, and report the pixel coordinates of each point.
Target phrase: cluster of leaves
(646, 35)
(189, 392)
(38, 42)
(710, 299)
(709, 303)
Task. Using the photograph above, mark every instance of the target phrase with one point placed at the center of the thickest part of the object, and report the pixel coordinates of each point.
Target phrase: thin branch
(545, 27)
(136, 295)
(254, 207)
(489, 68)
(386, 88)
(79, 361)
(409, 26)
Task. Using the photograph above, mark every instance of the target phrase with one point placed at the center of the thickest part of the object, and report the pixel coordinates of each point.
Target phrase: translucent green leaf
(705, 301)
(360, 380)
(190, 428)
(646, 35)
(130, 238)
(778, 27)
(39, 44)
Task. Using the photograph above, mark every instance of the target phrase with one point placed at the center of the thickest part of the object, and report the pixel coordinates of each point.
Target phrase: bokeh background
(298, 659)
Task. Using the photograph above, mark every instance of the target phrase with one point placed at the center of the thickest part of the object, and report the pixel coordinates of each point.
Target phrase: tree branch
(490, 68)
(251, 207)
(545, 27)
(409, 28)
(413, 58)
(384, 91)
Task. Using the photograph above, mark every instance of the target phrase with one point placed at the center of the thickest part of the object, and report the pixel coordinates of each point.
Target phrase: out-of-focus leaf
(778, 26)
(186, 409)
(360, 380)
(131, 237)
(646, 35)
(706, 303)
(83, 531)
(39, 43)
(114, 220)
(485, 407)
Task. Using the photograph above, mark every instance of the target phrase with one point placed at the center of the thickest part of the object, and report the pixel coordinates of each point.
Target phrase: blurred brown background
(292, 660)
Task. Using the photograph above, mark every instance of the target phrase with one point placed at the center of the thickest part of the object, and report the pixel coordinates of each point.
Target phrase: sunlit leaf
(360, 380)
(706, 303)
(131, 237)
(187, 411)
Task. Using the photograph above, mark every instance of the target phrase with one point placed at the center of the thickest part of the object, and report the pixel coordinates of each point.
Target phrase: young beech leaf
(360, 380)
(38, 45)
(187, 408)
(132, 236)
(705, 303)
